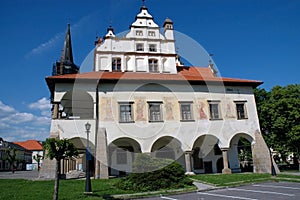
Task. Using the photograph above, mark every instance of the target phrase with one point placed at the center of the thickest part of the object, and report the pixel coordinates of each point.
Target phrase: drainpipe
(96, 167)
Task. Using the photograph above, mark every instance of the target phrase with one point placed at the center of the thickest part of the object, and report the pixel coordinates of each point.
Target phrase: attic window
(152, 48)
(139, 33)
(140, 47)
(151, 33)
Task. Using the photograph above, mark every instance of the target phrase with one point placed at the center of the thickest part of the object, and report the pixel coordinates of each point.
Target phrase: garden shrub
(150, 174)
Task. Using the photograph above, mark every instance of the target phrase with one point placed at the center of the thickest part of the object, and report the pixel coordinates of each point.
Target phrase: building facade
(22, 156)
(37, 152)
(141, 99)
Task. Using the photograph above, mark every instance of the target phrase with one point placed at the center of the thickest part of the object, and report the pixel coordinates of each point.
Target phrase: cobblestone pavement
(30, 175)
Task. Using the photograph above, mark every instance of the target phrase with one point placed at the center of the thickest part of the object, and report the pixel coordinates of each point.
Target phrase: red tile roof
(191, 74)
(32, 145)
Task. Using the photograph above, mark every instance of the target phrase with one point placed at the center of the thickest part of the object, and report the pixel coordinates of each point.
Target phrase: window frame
(151, 33)
(153, 65)
(183, 114)
(116, 64)
(128, 114)
(157, 117)
(139, 47)
(121, 156)
(152, 48)
(244, 110)
(214, 105)
(139, 33)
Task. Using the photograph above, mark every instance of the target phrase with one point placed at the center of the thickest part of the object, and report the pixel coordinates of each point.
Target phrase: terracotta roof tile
(31, 145)
(203, 74)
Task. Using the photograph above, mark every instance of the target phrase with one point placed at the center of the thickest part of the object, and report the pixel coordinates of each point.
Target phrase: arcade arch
(76, 104)
(121, 154)
(240, 153)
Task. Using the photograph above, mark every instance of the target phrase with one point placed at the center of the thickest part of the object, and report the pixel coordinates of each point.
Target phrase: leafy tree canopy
(279, 115)
(60, 148)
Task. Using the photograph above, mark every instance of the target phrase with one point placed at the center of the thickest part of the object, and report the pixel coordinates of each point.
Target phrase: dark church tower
(66, 64)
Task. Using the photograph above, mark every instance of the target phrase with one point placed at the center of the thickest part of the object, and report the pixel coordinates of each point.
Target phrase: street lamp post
(88, 186)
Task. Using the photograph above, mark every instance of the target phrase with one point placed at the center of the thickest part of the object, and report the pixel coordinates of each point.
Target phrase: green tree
(279, 115)
(59, 149)
(11, 158)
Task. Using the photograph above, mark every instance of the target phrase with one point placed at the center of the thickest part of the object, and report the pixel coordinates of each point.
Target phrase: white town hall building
(141, 99)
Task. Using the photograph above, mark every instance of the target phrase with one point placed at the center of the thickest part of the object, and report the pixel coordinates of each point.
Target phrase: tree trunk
(56, 184)
(12, 168)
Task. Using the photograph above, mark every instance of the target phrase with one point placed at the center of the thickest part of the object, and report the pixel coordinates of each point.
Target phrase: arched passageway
(206, 152)
(167, 147)
(240, 153)
(121, 154)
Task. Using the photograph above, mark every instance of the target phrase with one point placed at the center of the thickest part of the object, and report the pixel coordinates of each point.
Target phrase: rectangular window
(126, 113)
(116, 64)
(151, 33)
(121, 156)
(241, 110)
(152, 48)
(186, 111)
(155, 112)
(139, 33)
(140, 47)
(214, 110)
(153, 65)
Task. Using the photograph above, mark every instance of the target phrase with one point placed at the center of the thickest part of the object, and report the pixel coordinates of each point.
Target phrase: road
(268, 190)
(31, 175)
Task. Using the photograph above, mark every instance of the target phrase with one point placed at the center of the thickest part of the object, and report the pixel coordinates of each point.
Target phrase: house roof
(190, 74)
(32, 145)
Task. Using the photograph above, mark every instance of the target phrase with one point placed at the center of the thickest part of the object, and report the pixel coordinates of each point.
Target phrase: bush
(150, 174)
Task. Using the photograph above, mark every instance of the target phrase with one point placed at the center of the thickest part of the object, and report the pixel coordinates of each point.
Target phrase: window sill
(187, 120)
(156, 121)
(242, 118)
(219, 119)
(129, 122)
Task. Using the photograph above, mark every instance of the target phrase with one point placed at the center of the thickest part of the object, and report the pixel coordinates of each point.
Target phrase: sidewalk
(29, 175)
(203, 187)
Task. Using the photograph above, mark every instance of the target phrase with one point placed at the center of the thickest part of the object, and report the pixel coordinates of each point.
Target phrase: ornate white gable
(142, 49)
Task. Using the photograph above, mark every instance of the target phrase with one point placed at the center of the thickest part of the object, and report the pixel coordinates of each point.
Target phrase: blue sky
(250, 39)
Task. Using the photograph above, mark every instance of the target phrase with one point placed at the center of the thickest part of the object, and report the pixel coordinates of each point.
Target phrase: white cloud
(18, 118)
(46, 45)
(18, 126)
(43, 105)
(58, 37)
(5, 109)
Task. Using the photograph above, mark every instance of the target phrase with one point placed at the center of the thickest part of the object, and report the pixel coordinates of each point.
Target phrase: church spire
(67, 54)
(66, 64)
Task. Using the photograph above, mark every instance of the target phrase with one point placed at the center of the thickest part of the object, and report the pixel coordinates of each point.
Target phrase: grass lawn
(231, 179)
(69, 189)
(220, 180)
(103, 189)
